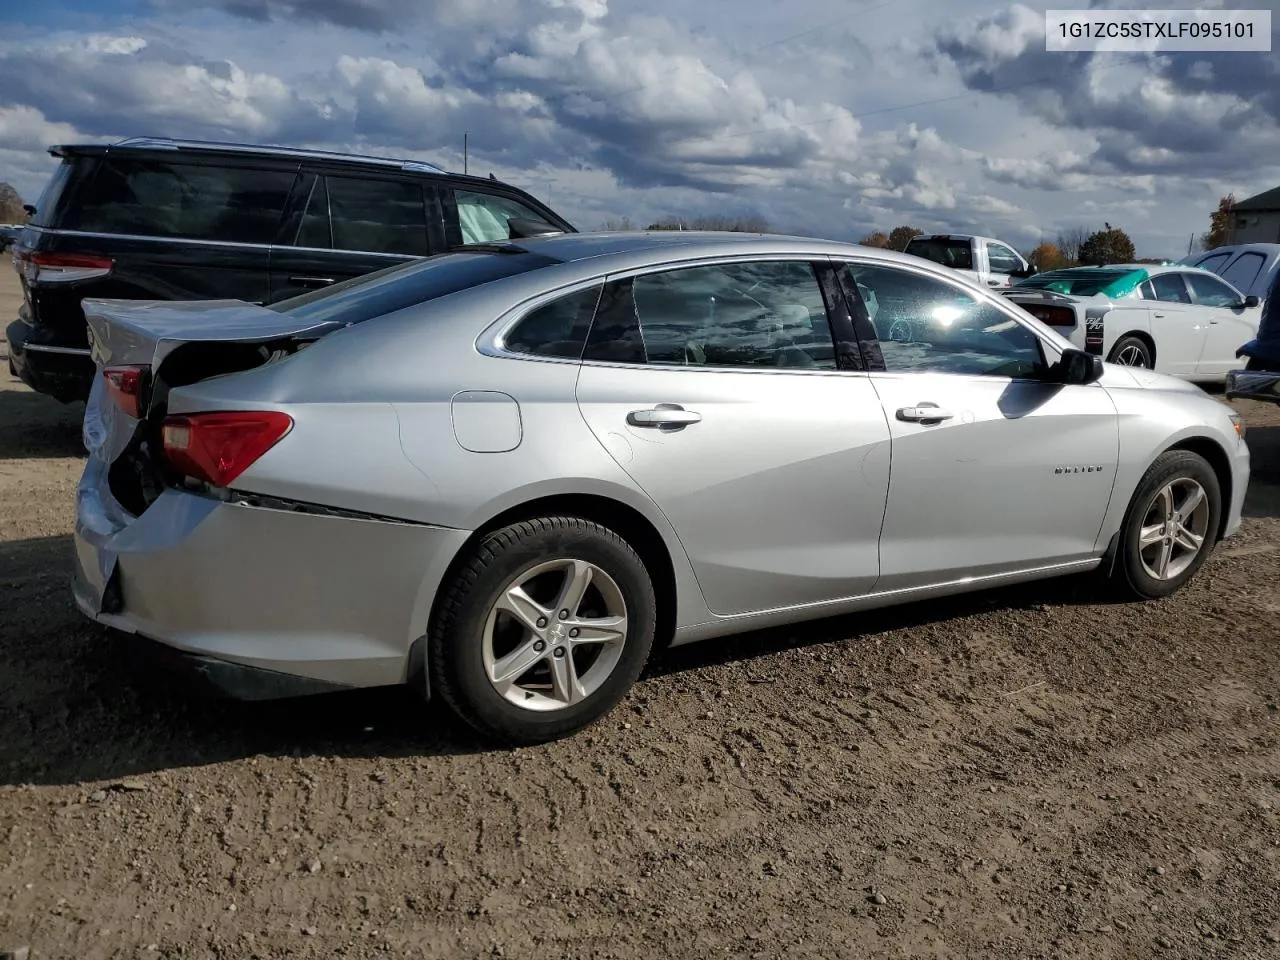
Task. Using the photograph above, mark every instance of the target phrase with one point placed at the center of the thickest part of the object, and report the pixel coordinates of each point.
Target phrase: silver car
(506, 476)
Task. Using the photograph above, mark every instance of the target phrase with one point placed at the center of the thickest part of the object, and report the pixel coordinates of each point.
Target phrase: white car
(1173, 319)
(984, 260)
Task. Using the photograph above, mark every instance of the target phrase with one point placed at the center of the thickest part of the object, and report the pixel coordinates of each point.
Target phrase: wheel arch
(1142, 335)
(623, 519)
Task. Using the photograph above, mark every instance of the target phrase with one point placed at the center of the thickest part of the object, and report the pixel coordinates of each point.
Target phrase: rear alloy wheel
(543, 629)
(1171, 526)
(1132, 352)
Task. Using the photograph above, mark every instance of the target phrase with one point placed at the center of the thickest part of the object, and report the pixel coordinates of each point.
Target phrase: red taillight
(65, 267)
(125, 385)
(1054, 316)
(218, 447)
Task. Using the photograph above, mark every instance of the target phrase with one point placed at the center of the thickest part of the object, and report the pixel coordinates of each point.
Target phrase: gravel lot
(1028, 773)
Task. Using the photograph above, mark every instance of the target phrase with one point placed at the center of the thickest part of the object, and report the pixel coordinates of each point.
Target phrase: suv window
(483, 216)
(1243, 273)
(926, 325)
(1214, 262)
(1003, 260)
(48, 202)
(405, 284)
(377, 216)
(556, 329)
(156, 198)
(957, 254)
(1166, 287)
(1209, 291)
(755, 314)
(316, 231)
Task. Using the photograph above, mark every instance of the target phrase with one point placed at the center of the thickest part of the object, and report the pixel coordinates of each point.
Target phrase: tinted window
(1169, 288)
(1209, 291)
(483, 216)
(1214, 263)
(957, 254)
(924, 324)
(558, 329)
(315, 230)
(48, 202)
(759, 314)
(405, 284)
(377, 216)
(1243, 272)
(167, 199)
(1003, 260)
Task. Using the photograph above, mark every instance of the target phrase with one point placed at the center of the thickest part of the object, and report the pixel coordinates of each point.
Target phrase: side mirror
(521, 229)
(1250, 302)
(1078, 368)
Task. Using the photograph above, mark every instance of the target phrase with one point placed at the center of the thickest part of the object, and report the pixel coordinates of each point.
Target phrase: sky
(827, 118)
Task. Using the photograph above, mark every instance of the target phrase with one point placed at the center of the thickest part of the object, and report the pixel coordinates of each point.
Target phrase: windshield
(957, 254)
(405, 284)
(1086, 281)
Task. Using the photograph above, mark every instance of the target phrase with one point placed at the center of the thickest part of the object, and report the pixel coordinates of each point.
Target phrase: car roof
(659, 245)
(226, 147)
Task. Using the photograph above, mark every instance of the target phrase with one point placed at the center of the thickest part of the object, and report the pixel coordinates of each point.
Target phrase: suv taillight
(125, 386)
(64, 267)
(218, 447)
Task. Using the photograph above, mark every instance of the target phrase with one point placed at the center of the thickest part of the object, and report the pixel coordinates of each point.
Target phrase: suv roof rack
(170, 143)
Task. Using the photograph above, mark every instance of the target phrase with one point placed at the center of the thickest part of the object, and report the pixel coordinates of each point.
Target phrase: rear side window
(377, 216)
(161, 198)
(1169, 288)
(47, 205)
(957, 254)
(1243, 272)
(557, 329)
(406, 284)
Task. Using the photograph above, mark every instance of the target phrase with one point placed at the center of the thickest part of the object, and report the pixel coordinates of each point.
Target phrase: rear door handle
(312, 281)
(669, 415)
(924, 413)
(1158, 316)
(995, 283)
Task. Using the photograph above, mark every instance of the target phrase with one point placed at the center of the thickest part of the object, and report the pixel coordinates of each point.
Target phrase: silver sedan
(506, 476)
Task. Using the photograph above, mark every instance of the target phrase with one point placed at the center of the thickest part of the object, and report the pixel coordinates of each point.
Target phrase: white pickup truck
(982, 259)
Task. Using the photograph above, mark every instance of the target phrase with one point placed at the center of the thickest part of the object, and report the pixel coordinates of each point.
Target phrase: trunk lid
(158, 345)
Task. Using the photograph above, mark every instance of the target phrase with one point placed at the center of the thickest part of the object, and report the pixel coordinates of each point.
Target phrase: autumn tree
(875, 239)
(11, 209)
(617, 225)
(1069, 243)
(1108, 245)
(899, 237)
(1047, 256)
(1220, 224)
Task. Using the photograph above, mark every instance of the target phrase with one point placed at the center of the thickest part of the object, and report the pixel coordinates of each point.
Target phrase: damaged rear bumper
(263, 602)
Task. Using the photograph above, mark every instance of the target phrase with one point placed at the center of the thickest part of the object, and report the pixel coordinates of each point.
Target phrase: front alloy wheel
(1174, 529)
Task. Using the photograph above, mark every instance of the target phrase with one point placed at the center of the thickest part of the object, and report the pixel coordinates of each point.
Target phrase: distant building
(1257, 219)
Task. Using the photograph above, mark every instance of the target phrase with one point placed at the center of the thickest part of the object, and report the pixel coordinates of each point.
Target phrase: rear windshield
(48, 202)
(403, 285)
(957, 254)
(1084, 283)
(166, 198)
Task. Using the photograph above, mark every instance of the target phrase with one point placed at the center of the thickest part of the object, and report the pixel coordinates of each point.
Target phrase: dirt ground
(1029, 773)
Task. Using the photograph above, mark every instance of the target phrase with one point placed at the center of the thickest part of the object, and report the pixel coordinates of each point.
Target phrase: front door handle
(668, 415)
(995, 283)
(312, 281)
(924, 413)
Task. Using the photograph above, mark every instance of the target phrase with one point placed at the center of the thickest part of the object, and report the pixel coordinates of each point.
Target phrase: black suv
(160, 219)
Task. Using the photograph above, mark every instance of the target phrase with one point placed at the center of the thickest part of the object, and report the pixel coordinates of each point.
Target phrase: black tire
(1133, 343)
(457, 633)
(1129, 574)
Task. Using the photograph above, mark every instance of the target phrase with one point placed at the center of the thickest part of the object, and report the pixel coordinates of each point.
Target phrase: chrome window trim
(236, 244)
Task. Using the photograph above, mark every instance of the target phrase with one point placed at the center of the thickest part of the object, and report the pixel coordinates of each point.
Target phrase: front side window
(757, 314)
(376, 216)
(484, 216)
(925, 325)
(556, 329)
(154, 198)
(1003, 260)
(1209, 291)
